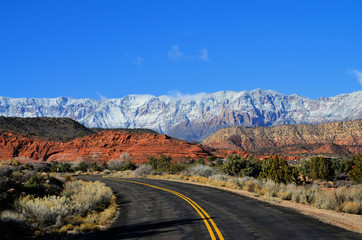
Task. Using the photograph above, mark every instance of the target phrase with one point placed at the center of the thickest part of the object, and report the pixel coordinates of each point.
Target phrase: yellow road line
(205, 217)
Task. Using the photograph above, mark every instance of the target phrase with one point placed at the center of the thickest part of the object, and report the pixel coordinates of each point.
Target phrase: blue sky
(96, 49)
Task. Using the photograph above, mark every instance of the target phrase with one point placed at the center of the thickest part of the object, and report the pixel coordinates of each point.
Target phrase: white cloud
(178, 95)
(204, 55)
(358, 75)
(355, 73)
(175, 54)
(101, 96)
(138, 61)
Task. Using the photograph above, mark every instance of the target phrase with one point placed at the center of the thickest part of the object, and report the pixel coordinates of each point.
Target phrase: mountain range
(191, 117)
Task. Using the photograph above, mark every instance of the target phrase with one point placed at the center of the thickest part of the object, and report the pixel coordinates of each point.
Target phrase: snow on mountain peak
(191, 117)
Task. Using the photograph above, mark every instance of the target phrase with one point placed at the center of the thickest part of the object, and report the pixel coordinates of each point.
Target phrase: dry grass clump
(271, 188)
(88, 195)
(201, 170)
(219, 180)
(117, 164)
(251, 185)
(94, 219)
(326, 200)
(81, 206)
(45, 211)
(143, 171)
(350, 207)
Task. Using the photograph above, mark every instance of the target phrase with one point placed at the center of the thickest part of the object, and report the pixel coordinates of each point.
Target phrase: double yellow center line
(205, 217)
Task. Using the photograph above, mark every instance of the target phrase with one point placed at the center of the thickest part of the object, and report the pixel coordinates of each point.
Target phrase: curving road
(157, 209)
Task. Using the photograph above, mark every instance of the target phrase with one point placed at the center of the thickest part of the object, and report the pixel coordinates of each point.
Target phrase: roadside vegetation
(37, 202)
(320, 182)
(42, 199)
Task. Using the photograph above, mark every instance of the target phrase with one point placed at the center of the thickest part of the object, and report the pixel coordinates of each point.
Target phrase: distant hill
(338, 138)
(57, 129)
(53, 129)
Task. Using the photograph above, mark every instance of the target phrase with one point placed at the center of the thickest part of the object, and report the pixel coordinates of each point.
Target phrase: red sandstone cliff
(102, 146)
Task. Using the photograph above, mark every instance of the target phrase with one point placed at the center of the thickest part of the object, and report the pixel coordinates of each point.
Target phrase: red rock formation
(103, 146)
(338, 138)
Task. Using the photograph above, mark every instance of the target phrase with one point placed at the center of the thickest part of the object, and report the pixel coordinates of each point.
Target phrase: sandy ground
(352, 222)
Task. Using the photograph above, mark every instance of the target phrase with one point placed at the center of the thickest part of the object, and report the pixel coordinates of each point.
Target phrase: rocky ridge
(341, 138)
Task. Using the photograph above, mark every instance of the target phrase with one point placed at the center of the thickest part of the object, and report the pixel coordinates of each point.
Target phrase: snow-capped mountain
(191, 117)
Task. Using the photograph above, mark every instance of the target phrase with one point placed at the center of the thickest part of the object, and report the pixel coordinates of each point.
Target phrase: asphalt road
(157, 212)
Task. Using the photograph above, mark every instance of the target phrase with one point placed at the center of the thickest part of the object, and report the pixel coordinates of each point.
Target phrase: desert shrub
(211, 158)
(252, 169)
(60, 167)
(40, 167)
(129, 166)
(233, 165)
(219, 178)
(81, 166)
(232, 183)
(50, 185)
(241, 181)
(32, 183)
(237, 166)
(276, 169)
(219, 163)
(272, 188)
(164, 164)
(285, 195)
(117, 164)
(201, 170)
(326, 200)
(97, 167)
(78, 199)
(200, 161)
(46, 211)
(251, 185)
(104, 165)
(88, 195)
(350, 207)
(143, 170)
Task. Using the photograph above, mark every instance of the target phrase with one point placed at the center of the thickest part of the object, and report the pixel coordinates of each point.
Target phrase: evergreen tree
(356, 173)
(321, 168)
(276, 169)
